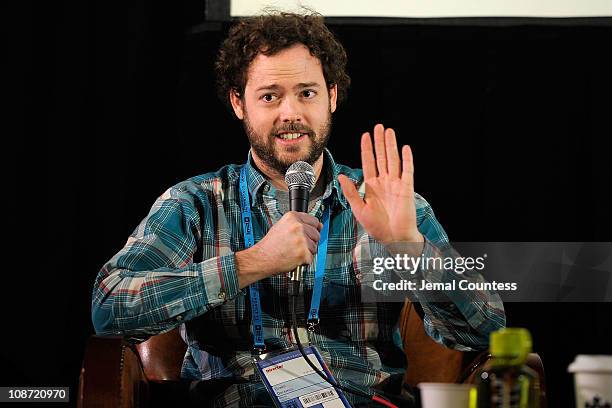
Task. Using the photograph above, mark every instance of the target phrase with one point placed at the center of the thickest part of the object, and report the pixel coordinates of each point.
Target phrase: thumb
(352, 195)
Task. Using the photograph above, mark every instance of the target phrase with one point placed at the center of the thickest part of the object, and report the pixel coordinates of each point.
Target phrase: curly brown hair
(271, 33)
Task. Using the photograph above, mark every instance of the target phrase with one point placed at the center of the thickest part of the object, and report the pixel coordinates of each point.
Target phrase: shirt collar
(257, 181)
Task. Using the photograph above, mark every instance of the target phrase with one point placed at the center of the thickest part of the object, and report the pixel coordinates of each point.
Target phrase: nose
(290, 110)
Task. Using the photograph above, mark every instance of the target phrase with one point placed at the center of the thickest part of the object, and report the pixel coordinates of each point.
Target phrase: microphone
(300, 179)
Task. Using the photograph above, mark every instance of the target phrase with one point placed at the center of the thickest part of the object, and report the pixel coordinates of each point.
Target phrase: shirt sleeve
(152, 285)
(459, 319)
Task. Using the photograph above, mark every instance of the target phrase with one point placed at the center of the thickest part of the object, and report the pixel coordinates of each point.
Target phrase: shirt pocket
(341, 286)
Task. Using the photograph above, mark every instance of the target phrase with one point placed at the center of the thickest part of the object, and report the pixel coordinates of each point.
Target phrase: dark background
(509, 121)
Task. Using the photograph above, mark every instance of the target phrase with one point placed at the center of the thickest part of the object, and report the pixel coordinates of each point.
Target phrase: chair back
(427, 360)
(162, 356)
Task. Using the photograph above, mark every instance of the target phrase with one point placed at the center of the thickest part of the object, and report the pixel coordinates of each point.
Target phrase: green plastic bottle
(509, 383)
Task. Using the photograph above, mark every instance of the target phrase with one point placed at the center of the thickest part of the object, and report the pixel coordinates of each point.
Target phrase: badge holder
(292, 383)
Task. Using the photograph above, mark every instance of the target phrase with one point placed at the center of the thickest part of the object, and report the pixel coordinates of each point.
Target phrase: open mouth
(290, 136)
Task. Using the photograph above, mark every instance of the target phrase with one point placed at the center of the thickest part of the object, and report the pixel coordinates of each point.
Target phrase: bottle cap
(511, 343)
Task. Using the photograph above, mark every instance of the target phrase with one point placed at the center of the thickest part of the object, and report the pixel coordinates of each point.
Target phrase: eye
(269, 98)
(309, 93)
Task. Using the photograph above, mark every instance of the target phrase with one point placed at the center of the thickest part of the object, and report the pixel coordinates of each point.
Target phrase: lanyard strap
(249, 240)
(313, 315)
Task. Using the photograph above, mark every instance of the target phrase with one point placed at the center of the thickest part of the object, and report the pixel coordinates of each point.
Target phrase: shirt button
(179, 317)
(266, 188)
(222, 295)
(358, 276)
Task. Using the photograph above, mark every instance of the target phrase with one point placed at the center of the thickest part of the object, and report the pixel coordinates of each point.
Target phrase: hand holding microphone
(290, 242)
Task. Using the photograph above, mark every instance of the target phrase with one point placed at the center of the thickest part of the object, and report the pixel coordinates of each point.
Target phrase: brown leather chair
(117, 374)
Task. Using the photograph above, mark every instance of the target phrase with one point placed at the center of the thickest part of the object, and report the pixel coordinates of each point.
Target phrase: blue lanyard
(315, 301)
(249, 240)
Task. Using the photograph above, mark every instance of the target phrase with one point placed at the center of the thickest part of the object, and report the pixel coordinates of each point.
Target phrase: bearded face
(284, 145)
(286, 108)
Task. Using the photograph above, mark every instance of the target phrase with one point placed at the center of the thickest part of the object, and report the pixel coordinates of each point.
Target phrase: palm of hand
(387, 211)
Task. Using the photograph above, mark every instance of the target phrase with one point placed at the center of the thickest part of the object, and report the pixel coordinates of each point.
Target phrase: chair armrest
(535, 363)
(112, 375)
(482, 360)
(472, 362)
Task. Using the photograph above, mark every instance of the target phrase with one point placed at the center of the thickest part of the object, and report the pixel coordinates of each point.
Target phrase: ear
(333, 97)
(236, 102)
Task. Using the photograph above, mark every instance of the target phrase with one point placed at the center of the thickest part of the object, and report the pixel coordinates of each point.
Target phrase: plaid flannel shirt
(178, 269)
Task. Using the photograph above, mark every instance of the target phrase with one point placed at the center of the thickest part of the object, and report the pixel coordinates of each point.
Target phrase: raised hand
(387, 211)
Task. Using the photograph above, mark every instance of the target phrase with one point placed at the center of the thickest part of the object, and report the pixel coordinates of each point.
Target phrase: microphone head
(300, 174)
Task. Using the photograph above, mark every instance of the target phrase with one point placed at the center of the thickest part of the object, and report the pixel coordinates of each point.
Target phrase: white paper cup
(445, 395)
(592, 380)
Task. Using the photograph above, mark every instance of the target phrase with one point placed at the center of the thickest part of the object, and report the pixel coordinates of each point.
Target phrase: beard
(265, 147)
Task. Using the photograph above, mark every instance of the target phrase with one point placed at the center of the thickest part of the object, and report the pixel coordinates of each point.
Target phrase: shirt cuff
(220, 279)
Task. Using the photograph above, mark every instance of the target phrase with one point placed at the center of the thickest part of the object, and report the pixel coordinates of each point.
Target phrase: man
(187, 263)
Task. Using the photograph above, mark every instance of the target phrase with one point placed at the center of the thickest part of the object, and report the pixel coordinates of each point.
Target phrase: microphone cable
(294, 290)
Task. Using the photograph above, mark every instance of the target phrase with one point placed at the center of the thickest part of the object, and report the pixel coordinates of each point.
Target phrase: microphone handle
(298, 201)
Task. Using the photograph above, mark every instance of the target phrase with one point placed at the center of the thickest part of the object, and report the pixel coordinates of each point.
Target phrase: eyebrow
(301, 85)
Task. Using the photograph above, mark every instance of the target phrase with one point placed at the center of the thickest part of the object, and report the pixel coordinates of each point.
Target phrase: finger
(312, 248)
(308, 219)
(379, 145)
(367, 157)
(312, 233)
(407, 167)
(350, 192)
(393, 160)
